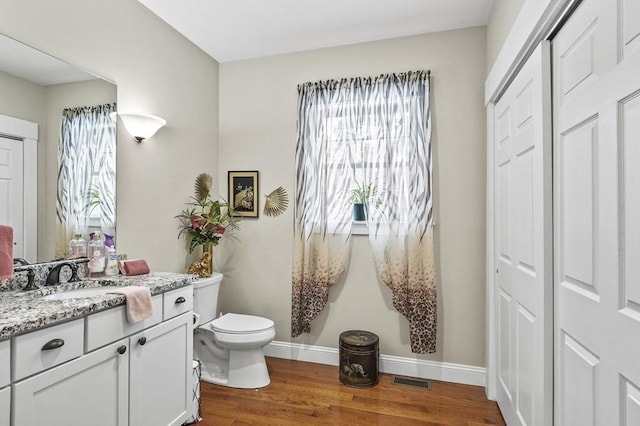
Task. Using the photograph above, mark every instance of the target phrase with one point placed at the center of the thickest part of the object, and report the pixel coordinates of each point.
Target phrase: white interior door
(596, 81)
(523, 238)
(12, 190)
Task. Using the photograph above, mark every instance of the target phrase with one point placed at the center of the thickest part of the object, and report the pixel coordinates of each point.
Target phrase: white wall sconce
(140, 126)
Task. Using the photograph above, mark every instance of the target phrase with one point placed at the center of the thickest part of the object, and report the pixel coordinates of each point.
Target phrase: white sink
(80, 292)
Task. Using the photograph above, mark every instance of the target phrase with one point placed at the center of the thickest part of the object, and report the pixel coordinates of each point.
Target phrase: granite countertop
(24, 311)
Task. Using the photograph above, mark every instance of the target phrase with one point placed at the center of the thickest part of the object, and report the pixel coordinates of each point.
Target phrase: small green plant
(93, 199)
(365, 194)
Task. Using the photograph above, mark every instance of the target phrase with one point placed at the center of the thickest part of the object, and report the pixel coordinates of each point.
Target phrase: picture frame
(244, 192)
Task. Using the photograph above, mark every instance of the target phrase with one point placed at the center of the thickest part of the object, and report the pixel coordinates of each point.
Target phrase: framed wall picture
(243, 193)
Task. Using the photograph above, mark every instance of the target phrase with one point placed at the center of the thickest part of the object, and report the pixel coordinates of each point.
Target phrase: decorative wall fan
(277, 202)
(202, 186)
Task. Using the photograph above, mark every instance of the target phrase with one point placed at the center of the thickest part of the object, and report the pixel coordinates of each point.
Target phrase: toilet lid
(239, 323)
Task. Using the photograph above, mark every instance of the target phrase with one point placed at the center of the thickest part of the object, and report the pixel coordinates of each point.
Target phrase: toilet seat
(240, 324)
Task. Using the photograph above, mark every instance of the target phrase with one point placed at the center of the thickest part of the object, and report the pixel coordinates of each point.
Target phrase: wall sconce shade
(140, 126)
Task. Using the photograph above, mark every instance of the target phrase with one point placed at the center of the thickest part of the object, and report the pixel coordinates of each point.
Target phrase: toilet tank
(205, 296)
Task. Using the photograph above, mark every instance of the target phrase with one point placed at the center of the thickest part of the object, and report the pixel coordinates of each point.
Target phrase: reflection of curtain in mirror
(86, 164)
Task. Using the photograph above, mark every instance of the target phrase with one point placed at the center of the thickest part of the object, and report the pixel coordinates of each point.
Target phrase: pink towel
(138, 300)
(134, 267)
(6, 252)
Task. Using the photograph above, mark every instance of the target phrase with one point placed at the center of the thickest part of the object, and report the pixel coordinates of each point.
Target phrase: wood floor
(304, 393)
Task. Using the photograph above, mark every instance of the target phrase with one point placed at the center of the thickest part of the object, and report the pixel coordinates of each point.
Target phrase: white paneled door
(12, 190)
(596, 84)
(523, 238)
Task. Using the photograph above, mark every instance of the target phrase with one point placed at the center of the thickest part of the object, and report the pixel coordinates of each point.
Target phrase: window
(364, 131)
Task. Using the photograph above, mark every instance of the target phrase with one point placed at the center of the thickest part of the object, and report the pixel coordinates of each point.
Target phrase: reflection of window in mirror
(86, 173)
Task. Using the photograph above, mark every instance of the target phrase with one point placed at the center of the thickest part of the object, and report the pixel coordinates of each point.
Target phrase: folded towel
(138, 300)
(134, 267)
(6, 252)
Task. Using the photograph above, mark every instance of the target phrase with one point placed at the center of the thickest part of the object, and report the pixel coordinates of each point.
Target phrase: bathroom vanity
(77, 360)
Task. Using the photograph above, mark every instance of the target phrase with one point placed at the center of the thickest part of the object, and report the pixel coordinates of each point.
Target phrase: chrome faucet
(20, 261)
(53, 277)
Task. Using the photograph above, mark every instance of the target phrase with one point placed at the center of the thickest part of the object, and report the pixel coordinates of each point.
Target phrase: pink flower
(218, 229)
(197, 221)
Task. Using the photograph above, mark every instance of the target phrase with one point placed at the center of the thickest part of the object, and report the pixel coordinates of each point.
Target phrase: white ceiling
(230, 30)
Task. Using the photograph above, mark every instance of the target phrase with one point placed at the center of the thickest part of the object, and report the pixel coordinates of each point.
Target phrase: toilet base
(247, 370)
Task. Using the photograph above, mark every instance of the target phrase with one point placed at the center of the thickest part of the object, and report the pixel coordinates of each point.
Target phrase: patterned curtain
(373, 133)
(400, 219)
(322, 208)
(86, 164)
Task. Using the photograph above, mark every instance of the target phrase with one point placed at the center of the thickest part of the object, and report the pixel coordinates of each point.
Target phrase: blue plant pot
(359, 213)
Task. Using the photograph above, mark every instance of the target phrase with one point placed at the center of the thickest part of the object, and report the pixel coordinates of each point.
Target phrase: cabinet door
(5, 406)
(89, 390)
(161, 363)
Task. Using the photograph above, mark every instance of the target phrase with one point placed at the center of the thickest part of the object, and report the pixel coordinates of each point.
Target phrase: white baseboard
(434, 370)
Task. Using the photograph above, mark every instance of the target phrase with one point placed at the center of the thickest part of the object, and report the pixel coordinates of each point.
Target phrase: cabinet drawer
(108, 326)
(5, 363)
(178, 302)
(46, 348)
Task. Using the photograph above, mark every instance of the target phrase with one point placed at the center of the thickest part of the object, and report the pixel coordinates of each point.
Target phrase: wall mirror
(39, 88)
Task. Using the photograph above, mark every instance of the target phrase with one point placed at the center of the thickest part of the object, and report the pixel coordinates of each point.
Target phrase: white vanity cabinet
(123, 374)
(5, 390)
(89, 390)
(160, 373)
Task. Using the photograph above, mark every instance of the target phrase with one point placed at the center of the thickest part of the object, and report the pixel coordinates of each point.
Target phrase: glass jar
(77, 246)
(97, 256)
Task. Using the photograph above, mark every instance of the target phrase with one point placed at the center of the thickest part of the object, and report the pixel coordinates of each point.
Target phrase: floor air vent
(416, 383)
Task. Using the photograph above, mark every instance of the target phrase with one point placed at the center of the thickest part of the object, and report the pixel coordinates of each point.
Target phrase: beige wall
(258, 132)
(157, 71)
(21, 98)
(502, 17)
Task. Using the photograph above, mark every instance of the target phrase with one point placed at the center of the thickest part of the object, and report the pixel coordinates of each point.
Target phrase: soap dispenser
(77, 246)
(97, 256)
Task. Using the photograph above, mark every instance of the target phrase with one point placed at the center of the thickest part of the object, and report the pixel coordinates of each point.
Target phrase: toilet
(229, 347)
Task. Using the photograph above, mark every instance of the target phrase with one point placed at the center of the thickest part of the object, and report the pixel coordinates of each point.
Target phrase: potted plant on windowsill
(361, 196)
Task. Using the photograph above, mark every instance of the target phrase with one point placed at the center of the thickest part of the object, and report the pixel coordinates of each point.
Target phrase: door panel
(523, 242)
(630, 149)
(578, 146)
(630, 27)
(578, 399)
(596, 79)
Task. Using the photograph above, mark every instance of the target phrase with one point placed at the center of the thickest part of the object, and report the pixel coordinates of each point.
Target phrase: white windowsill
(359, 227)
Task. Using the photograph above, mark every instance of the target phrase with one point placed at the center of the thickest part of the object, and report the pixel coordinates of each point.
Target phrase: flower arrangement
(205, 220)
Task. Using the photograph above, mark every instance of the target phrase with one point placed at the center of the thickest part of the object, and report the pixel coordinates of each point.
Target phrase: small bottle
(97, 256)
(108, 241)
(77, 246)
(112, 262)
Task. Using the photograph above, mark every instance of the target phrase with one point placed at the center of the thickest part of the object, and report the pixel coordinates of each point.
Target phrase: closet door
(596, 81)
(523, 239)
